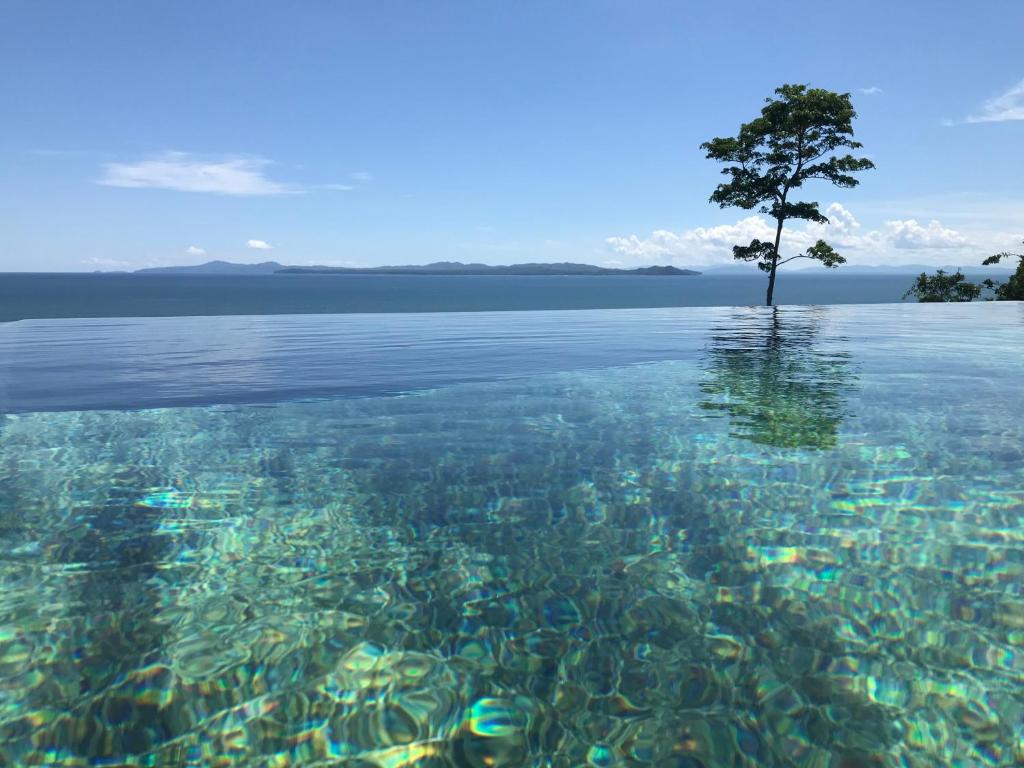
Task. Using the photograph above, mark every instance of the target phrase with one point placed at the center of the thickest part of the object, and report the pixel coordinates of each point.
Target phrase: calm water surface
(691, 537)
(112, 295)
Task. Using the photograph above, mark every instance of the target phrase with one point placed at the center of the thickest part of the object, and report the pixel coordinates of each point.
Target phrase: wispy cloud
(259, 245)
(872, 90)
(221, 175)
(195, 250)
(185, 172)
(99, 262)
(1006, 106)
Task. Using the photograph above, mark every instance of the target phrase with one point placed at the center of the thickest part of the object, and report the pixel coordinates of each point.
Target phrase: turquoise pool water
(693, 537)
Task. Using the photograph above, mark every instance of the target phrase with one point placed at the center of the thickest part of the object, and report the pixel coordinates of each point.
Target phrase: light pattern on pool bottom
(782, 555)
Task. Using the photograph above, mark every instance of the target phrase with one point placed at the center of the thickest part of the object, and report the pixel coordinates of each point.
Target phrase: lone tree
(797, 138)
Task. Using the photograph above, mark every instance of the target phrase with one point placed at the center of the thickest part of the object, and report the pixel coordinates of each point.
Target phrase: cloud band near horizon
(713, 245)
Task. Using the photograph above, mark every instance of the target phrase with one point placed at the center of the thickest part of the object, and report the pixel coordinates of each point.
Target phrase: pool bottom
(756, 559)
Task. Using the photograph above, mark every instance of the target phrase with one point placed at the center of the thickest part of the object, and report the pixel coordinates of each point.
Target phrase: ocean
(38, 295)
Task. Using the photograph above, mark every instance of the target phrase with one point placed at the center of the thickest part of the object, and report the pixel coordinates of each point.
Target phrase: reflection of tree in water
(776, 385)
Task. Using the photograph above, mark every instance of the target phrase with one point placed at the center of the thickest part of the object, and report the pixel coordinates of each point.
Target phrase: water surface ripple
(152, 362)
(681, 538)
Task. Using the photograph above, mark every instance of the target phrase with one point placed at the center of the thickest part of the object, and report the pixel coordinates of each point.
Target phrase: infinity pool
(682, 537)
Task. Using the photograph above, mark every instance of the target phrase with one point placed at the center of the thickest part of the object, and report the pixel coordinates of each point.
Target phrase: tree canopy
(1013, 288)
(943, 286)
(799, 137)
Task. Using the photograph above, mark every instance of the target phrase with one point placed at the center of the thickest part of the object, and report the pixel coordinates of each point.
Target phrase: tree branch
(786, 261)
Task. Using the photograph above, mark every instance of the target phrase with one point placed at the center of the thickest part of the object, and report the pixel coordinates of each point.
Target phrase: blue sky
(142, 133)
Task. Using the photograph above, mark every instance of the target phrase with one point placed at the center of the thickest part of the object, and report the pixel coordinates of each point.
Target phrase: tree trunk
(775, 262)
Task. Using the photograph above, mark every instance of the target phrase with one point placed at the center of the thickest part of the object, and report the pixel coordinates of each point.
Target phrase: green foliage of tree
(798, 138)
(1013, 288)
(943, 286)
(778, 386)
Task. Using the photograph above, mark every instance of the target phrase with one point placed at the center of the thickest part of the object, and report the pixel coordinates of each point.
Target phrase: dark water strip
(24, 295)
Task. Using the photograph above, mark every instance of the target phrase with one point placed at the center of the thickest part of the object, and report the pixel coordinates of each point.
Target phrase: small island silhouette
(436, 268)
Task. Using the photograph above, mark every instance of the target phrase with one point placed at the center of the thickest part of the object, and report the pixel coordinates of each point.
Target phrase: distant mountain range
(564, 268)
(216, 268)
(437, 268)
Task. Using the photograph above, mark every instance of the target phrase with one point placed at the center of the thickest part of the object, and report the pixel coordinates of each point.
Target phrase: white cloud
(871, 90)
(710, 246)
(186, 172)
(361, 176)
(259, 245)
(1005, 106)
(195, 250)
(840, 220)
(703, 245)
(337, 187)
(910, 234)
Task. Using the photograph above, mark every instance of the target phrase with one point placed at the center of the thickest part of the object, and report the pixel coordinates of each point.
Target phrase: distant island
(437, 268)
(458, 268)
(216, 268)
(565, 268)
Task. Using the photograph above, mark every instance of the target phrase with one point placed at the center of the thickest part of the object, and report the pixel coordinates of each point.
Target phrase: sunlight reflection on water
(786, 538)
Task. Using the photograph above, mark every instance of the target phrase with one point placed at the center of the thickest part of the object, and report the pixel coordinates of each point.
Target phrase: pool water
(685, 537)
